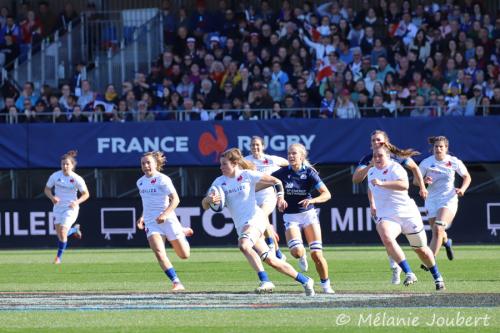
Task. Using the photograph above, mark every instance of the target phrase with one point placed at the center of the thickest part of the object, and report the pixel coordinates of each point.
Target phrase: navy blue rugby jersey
(298, 186)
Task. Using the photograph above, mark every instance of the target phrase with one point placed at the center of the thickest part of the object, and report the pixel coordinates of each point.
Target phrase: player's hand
(282, 204)
(428, 180)
(377, 182)
(423, 193)
(373, 211)
(214, 198)
(161, 218)
(73, 204)
(55, 200)
(459, 192)
(306, 202)
(140, 223)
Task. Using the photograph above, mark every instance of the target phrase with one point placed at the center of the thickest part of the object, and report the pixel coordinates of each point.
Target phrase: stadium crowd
(383, 59)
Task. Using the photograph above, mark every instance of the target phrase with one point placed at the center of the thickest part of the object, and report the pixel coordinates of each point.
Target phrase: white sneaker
(265, 287)
(309, 287)
(396, 272)
(304, 266)
(328, 290)
(410, 279)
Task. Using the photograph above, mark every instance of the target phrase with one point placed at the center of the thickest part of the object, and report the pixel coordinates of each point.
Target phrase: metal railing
(183, 115)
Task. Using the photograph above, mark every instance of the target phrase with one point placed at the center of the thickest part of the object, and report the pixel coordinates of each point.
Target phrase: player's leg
(176, 235)
(62, 241)
(246, 241)
(157, 244)
(312, 233)
(418, 241)
(388, 232)
(270, 236)
(296, 245)
(444, 219)
(268, 256)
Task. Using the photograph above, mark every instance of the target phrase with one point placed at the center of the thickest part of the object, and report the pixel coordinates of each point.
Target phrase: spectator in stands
(346, 109)
(143, 114)
(65, 17)
(111, 96)
(8, 102)
(58, 116)
(420, 110)
(63, 100)
(87, 96)
(4, 12)
(77, 116)
(31, 29)
(27, 93)
(41, 112)
(9, 51)
(11, 28)
(494, 109)
(47, 18)
(327, 108)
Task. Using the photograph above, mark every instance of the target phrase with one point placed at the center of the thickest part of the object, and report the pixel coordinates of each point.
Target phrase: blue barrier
(199, 143)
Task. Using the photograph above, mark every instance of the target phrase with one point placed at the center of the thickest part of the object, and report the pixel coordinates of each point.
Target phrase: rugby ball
(216, 189)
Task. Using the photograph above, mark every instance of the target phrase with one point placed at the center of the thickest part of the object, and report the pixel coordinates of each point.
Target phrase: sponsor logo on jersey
(303, 176)
(266, 161)
(153, 180)
(240, 178)
(385, 171)
(289, 185)
(448, 164)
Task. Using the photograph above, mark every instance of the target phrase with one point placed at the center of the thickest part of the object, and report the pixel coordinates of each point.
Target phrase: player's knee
(296, 247)
(418, 241)
(245, 244)
(317, 256)
(184, 255)
(271, 260)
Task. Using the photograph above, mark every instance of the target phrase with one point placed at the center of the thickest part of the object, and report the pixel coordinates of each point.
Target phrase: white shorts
(432, 206)
(65, 217)
(171, 228)
(409, 225)
(257, 221)
(300, 220)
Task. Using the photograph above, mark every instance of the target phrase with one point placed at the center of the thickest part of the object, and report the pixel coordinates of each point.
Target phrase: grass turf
(476, 269)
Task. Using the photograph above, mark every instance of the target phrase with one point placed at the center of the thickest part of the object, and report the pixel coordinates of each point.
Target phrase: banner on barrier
(201, 143)
(111, 223)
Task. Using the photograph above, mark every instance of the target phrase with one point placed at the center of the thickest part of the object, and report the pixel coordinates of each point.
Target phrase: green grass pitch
(474, 275)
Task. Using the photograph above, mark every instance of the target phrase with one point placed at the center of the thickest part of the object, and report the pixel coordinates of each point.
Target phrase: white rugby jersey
(391, 202)
(443, 176)
(155, 191)
(66, 187)
(267, 164)
(240, 194)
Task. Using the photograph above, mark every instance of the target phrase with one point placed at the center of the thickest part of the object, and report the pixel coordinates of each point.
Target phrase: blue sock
(301, 278)
(263, 276)
(435, 272)
(61, 246)
(405, 266)
(448, 243)
(71, 231)
(269, 241)
(172, 275)
(279, 254)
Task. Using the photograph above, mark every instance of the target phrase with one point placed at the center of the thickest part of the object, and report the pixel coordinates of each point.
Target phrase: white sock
(392, 263)
(325, 284)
